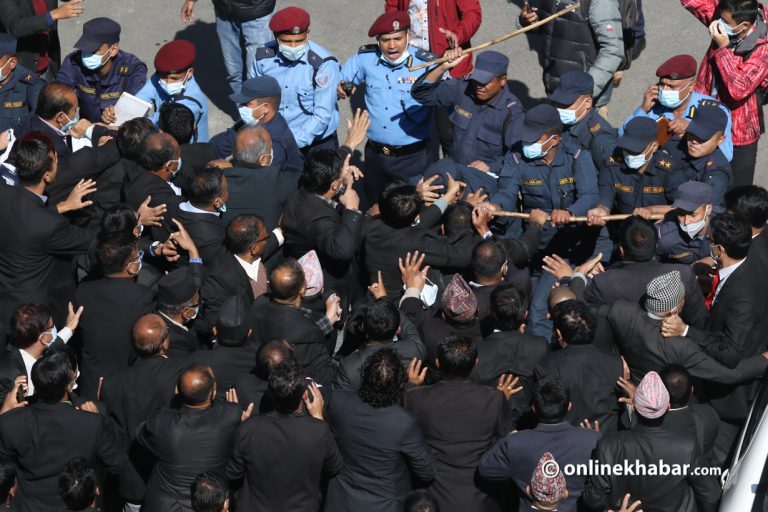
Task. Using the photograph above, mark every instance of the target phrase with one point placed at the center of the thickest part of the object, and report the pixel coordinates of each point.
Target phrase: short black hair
(53, 99)
(575, 321)
(289, 287)
(287, 383)
(382, 319)
(749, 202)
(205, 185)
(243, 232)
(551, 397)
(119, 219)
(458, 219)
(113, 252)
(677, 380)
(733, 233)
(7, 479)
(209, 492)
(178, 121)
(457, 355)
(419, 500)
(399, 204)
(197, 395)
(488, 257)
(270, 355)
(131, 136)
(156, 154)
(33, 160)
(382, 379)
(28, 322)
(741, 10)
(638, 239)
(51, 374)
(77, 484)
(508, 306)
(321, 168)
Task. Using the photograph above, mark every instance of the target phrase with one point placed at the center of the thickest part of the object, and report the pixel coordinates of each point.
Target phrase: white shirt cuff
(279, 235)
(685, 332)
(89, 132)
(65, 334)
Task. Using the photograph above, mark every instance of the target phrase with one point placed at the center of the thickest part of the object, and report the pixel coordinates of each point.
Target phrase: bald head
(197, 385)
(271, 355)
(560, 294)
(287, 280)
(157, 151)
(253, 147)
(246, 235)
(150, 335)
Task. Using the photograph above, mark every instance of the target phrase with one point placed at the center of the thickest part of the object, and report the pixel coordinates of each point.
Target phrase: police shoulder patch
(368, 48)
(125, 70)
(265, 52)
(425, 55)
(709, 103)
(322, 80)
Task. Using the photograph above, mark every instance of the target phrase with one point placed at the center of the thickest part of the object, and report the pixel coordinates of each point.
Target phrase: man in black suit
(461, 420)
(280, 316)
(283, 454)
(178, 303)
(207, 194)
(177, 120)
(133, 393)
(252, 388)
(189, 440)
(324, 216)
(751, 203)
(384, 328)
(231, 356)
(112, 303)
(37, 241)
(238, 270)
(737, 326)
(42, 437)
(256, 185)
(591, 374)
(391, 443)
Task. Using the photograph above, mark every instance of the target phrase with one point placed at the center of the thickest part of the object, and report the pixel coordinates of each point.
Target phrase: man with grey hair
(256, 186)
(637, 335)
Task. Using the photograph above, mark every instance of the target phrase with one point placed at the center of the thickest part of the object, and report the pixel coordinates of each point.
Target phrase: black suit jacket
(208, 232)
(700, 419)
(110, 308)
(18, 18)
(186, 442)
(461, 420)
(11, 366)
(261, 192)
(150, 184)
(379, 447)
(228, 363)
(283, 458)
(131, 395)
(41, 438)
(181, 342)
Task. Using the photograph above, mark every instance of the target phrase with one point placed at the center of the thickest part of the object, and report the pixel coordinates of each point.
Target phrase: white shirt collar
(58, 130)
(251, 269)
(189, 207)
(724, 274)
(29, 361)
(176, 190)
(174, 322)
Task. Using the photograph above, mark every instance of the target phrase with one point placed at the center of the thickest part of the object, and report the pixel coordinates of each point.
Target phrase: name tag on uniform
(533, 182)
(462, 112)
(13, 104)
(565, 181)
(407, 80)
(111, 95)
(622, 187)
(653, 190)
(86, 90)
(680, 255)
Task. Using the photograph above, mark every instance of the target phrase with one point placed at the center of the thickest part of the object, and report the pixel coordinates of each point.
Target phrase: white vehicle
(745, 482)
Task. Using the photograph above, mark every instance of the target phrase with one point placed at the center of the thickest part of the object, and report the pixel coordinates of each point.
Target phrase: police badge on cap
(395, 25)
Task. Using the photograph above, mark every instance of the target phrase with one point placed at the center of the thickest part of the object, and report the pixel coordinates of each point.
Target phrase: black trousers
(381, 170)
(331, 142)
(743, 164)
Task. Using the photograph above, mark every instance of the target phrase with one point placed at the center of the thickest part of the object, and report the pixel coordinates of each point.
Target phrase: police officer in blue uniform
(400, 126)
(583, 126)
(174, 81)
(258, 102)
(673, 97)
(100, 71)
(705, 159)
(683, 236)
(484, 114)
(308, 75)
(559, 179)
(19, 87)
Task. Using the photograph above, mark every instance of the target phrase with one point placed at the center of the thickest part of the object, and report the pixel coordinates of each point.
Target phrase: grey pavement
(342, 26)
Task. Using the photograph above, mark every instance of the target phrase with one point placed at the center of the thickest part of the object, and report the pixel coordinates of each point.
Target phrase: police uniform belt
(395, 151)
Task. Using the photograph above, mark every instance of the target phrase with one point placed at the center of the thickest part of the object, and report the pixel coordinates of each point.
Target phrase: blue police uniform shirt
(675, 246)
(192, 97)
(594, 133)
(714, 170)
(481, 131)
(622, 189)
(96, 92)
(308, 101)
(659, 110)
(397, 119)
(18, 98)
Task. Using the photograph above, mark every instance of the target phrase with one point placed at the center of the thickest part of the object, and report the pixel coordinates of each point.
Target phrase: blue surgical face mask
(178, 168)
(635, 161)
(222, 208)
(672, 99)
(246, 115)
(727, 30)
(70, 122)
(403, 56)
(196, 309)
(93, 61)
(568, 116)
(293, 53)
(536, 150)
(174, 88)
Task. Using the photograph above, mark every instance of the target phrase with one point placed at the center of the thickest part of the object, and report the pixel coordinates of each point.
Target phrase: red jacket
(737, 78)
(461, 17)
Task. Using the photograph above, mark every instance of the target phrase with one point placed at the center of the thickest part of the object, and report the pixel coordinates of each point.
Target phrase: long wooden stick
(502, 38)
(608, 218)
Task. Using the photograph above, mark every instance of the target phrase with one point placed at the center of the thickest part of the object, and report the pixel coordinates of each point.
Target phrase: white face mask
(672, 99)
(694, 227)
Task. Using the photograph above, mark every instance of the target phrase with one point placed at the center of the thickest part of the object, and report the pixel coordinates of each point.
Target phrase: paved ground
(342, 26)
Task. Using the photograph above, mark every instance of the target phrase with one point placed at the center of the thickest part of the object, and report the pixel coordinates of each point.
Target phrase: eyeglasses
(139, 258)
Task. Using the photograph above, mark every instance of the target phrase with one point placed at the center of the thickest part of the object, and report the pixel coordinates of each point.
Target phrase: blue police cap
(537, 121)
(97, 32)
(707, 121)
(488, 66)
(638, 133)
(572, 85)
(257, 87)
(7, 44)
(691, 195)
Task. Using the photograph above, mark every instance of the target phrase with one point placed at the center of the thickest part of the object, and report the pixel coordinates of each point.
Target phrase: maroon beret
(292, 20)
(175, 56)
(390, 22)
(677, 67)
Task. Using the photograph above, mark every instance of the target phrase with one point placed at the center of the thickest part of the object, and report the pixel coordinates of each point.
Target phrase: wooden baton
(608, 218)
(492, 42)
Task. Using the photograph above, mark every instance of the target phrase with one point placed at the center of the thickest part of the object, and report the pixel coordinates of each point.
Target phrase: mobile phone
(21, 393)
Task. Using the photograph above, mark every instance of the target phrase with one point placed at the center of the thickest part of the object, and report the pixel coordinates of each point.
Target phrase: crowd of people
(426, 316)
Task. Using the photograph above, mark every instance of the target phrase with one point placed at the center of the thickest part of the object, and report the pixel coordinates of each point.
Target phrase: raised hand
(412, 274)
(506, 385)
(417, 372)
